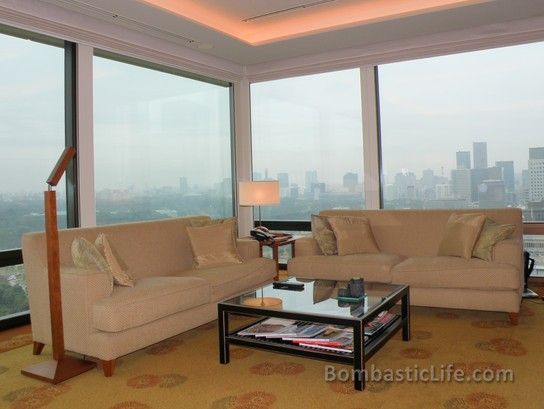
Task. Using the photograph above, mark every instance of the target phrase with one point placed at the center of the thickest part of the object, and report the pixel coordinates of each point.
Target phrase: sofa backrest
(419, 232)
(149, 248)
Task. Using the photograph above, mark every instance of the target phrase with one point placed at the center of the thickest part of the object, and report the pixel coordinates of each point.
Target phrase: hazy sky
(152, 128)
(433, 107)
(31, 113)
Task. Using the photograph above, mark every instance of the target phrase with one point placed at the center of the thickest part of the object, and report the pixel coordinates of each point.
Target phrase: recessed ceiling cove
(258, 22)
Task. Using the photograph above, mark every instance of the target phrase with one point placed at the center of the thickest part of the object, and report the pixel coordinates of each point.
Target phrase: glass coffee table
(317, 303)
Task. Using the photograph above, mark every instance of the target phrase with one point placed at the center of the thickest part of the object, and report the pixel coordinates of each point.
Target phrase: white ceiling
(218, 41)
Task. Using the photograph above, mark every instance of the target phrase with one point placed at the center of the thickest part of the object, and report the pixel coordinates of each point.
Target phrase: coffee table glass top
(319, 298)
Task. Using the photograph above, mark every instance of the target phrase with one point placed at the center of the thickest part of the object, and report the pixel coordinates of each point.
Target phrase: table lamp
(259, 193)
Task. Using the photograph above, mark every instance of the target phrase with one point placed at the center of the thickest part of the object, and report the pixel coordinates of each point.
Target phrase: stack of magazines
(314, 335)
(382, 320)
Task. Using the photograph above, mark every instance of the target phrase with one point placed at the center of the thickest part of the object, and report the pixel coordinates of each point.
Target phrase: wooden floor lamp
(61, 367)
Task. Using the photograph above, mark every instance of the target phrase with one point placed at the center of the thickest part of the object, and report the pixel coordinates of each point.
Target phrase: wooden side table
(275, 245)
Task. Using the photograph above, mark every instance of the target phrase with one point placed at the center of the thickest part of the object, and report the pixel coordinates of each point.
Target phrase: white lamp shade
(265, 192)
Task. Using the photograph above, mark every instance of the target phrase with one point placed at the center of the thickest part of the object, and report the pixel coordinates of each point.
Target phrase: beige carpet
(184, 372)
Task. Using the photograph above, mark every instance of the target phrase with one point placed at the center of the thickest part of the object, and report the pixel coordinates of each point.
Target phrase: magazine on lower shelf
(315, 335)
(342, 342)
(382, 320)
(267, 327)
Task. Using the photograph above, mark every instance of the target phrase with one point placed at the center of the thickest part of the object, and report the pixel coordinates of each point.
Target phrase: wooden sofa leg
(108, 367)
(514, 318)
(37, 348)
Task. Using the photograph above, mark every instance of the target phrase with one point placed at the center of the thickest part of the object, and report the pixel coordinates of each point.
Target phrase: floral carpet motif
(184, 372)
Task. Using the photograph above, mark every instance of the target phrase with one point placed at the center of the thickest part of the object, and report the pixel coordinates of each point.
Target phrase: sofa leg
(514, 318)
(37, 348)
(108, 367)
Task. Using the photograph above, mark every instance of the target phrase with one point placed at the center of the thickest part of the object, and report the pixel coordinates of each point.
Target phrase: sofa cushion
(228, 281)
(455, 272)
(372, 267)
(491, 234)
(150, 299)
(353, 235)
(462, 231)
(214, 245)
(323, 235)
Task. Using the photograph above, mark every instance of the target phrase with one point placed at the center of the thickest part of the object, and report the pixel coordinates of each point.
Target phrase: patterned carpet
(183, 372)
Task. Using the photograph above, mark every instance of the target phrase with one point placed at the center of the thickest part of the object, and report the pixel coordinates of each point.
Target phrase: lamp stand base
(58, 371)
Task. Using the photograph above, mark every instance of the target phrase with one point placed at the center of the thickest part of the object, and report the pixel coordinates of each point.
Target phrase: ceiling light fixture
(288, 9)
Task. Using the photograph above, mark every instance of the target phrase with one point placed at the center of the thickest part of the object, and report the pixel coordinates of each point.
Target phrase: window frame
(13, 257)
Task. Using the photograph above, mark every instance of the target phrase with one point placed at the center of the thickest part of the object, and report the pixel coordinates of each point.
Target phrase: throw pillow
(462, 232)
(353, 235)
(491, 234)
(214, 245)
(120, 275)
(86, 255)
(323, 234)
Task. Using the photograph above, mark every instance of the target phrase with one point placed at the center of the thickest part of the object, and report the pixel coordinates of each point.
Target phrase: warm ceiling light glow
(321, 17)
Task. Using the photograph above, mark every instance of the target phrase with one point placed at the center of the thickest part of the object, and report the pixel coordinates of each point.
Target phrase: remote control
(285, 285)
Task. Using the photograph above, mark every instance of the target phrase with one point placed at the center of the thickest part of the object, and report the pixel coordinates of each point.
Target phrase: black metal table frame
(361, 352)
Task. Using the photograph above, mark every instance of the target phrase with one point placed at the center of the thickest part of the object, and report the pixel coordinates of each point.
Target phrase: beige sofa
(169, 296)
(408, 241)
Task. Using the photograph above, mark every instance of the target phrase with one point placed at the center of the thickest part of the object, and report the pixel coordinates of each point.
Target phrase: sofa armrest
(307, 246)
(80, 290)
(509, 251)
(248, 248)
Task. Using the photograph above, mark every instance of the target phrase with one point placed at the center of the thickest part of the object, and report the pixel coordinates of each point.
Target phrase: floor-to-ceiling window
(32, 136)
(162, 143)
(307, 133)
(466, 131)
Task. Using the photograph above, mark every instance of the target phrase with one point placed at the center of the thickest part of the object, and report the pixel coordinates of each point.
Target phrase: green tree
(12, 299)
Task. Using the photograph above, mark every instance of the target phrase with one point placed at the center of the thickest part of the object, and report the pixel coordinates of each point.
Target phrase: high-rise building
(477, 176)
(283, 179)
(350, 181)
(310, 179)
(183, 185)
(507, 168)
(461, 184)
(536, 174)
(443, 191)
(492, 194)
(479, 151)
(463, 159)
(428, 179)
(405, 183)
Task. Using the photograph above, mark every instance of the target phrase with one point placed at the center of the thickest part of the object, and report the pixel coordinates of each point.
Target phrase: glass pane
(535, 246)
(307, 133)
(13, 295)
(31, 140)
(465, 131)
(162, 145)
(31, 134)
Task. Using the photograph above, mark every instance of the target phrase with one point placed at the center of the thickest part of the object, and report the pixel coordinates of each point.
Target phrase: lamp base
(58, 371)
(270, 302)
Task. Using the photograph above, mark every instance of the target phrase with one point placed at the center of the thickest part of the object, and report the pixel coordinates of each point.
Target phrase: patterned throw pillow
(120, 275)
(323, 234)
(85, 255)
(353, 235)
(491, 234)
(462, 232)
(214, 245)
